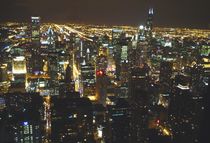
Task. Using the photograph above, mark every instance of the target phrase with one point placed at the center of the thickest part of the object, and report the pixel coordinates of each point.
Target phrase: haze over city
(173, 13)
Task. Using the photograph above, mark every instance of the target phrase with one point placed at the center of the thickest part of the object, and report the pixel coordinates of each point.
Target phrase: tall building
(36, 59)
(185, 111)
(138, 54)
(121, 57)
(138, 81)
(120, 122)
(24, 119)
(149, 23)
(116, 33)
(72, 120)
(53, 72)
(19, 65)
(89, 80)
(35, 30)
(3, 72)
(19, 72)
(101, 76)
(139, 98)
(166, 68)
(69, 80)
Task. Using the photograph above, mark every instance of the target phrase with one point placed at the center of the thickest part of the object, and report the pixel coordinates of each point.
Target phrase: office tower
(185, 111)
(116, 33)
(36, 59)
(138, 54)
(24, 118)
(111, 63)
(35, 30)
(69, 80)
(84, 65)
(117, 58)
(19, 74)
(67, 85)
(71, 120)
(88, 77)
(139, 98)
(124, 66)
(101, 77)
(165, 76)
(63, 62)
(19, 65)
(3, 72)
(205, 62)
(101, 86)
(120, 122)
(121, 62)
(138, 81)
(121, 54)
(53, 72)
(50, 39)
(149, 23)
(197, 78)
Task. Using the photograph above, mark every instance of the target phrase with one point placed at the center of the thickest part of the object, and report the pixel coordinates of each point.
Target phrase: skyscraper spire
(151, 11)
(149, 23)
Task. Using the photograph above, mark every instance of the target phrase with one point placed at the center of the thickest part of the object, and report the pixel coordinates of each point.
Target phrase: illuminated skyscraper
(4, 83)
(35, 29)
(89, 80)
(149, 23)
(19, 74)
(19, 65)
(101, 77)
(36, 59)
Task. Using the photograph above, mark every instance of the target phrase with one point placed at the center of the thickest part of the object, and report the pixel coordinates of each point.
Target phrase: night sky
(168, 13)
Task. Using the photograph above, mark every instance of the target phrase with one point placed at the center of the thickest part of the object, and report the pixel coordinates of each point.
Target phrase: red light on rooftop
(158, 122)
(99, 73)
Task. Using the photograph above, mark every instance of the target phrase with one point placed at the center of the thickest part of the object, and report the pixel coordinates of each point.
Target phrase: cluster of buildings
(133, 85)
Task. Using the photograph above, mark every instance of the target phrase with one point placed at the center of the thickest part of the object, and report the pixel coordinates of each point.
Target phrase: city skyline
(88, 83)
(189, 14)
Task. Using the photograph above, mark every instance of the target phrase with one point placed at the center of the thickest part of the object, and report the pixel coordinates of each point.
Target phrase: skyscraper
(139, 97)
(72, 120)
(36, 59)
(35, 29)
(149, 23)
(165, 76)
(120, 122)
(24, 118)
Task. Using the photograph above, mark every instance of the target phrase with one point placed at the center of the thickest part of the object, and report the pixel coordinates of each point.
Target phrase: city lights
(74, 82)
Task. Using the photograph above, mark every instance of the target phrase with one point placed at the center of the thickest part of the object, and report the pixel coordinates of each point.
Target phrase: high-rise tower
(149, 22)
(35, 29)
(36, 60)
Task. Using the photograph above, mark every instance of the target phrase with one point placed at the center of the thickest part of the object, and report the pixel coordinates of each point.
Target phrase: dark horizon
(176, 13)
